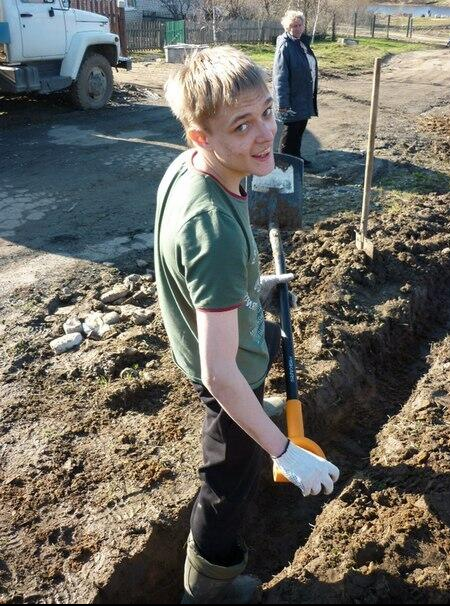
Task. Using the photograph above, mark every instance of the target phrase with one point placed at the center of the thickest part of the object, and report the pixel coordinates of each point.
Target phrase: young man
(209, 288)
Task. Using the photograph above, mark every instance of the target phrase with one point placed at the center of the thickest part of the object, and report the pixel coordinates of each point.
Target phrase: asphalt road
(80, 185)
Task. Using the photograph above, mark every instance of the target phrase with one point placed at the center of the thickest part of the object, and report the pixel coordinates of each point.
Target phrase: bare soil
(99, 466)
(385, 539)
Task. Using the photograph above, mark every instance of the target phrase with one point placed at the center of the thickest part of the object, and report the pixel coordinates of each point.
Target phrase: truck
(47, 46)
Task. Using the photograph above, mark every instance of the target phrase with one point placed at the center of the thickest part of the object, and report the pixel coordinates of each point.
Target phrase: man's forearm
(236, 397)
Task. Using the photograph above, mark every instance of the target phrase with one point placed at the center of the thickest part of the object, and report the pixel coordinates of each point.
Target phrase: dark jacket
(292, 81)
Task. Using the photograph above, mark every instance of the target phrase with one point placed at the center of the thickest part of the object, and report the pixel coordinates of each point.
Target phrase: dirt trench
(385, 539)
(99, 471)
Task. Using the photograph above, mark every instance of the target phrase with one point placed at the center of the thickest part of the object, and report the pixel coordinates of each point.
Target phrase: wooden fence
(232, 31)
(395, 26)
(145, 35)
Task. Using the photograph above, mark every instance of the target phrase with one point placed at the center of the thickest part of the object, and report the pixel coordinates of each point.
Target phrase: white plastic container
(177, 53)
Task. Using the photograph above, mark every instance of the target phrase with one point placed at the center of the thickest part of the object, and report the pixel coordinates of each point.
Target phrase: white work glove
(307, 471)
(268, 296)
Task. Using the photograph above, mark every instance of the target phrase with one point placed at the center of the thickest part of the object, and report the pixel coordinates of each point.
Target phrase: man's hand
(285, 112)
(307, 471)
(268, 295)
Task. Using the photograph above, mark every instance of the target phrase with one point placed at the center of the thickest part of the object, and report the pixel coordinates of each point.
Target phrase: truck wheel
(93, 87)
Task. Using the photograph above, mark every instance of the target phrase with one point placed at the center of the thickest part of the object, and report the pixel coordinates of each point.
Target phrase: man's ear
(199, 137)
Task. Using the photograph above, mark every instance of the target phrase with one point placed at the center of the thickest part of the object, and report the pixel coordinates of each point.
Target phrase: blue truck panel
(5, 36)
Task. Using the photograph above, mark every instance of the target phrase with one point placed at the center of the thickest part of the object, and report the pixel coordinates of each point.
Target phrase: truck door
(43, 28)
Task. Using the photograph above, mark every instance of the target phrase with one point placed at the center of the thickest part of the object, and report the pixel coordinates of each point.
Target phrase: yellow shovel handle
(296, 434)
(294, 420)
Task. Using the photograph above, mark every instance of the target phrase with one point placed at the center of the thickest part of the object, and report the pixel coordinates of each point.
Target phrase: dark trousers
(291, 137)
(230, 472)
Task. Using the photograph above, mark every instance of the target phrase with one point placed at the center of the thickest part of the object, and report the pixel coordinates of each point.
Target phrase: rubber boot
(206, 583)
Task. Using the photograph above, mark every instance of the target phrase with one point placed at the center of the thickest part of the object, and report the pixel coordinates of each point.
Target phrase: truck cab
(46, 46)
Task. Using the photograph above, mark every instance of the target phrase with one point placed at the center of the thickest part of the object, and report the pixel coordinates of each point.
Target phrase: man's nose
(267, 131)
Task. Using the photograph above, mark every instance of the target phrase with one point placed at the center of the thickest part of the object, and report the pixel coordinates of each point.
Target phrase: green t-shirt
(206, 258)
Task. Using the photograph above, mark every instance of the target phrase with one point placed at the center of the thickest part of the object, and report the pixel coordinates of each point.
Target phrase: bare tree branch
(178, 8)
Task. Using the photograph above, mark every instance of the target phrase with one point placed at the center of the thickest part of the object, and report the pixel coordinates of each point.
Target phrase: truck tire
(94, 84)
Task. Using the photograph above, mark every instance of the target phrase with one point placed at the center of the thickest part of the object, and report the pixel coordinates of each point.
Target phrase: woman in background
(294, 83)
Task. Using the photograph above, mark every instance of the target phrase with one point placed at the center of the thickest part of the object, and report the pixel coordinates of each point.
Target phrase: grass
(149, 55)
(29, 306)
(430, 22)
(103, 382)
(392, 201)
(417, 182)
(393, 193)
(333, 56)
(423, 22)
(20, 347)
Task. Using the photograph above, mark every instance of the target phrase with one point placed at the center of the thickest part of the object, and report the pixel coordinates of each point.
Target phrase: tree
(239, 9)
(178, 8)
(275, 9)
(228, 9)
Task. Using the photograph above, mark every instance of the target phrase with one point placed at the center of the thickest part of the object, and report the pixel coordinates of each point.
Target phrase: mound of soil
(439, 129)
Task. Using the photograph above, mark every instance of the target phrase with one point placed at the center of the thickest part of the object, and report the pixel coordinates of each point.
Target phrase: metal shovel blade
(363, 243)
(277, 198)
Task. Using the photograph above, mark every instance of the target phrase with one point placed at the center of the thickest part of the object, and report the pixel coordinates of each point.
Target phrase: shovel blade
(277, 198)
(364, 244)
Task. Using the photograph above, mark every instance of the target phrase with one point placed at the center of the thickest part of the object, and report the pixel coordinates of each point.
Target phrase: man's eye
(242, 127)
(268, 112)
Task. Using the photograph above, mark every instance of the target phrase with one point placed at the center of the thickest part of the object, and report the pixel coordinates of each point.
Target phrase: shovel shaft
(287, 340)
(294, 414)
(370, 147)
(277, 250)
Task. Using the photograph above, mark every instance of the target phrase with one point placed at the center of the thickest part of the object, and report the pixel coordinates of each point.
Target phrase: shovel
(275, 201)
(362, 241)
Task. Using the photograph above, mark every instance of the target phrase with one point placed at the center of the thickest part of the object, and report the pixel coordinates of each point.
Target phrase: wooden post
(373, 25)
(411, 27)
(214, 24)
(355, 20)
(122, 32)
(388, 26)
(333, 28)
(407, 26)
(162, 29)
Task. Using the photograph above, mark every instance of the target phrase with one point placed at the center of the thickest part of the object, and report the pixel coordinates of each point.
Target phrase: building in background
(137, 10)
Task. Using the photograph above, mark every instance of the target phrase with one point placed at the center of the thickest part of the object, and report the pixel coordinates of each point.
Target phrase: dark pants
(291, 138)
(230, 472)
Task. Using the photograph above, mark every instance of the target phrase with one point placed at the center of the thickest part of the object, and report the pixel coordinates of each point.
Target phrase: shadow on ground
(83, 184)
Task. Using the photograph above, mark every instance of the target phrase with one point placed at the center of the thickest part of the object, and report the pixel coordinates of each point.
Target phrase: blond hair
(209, 80)
(290, 17)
